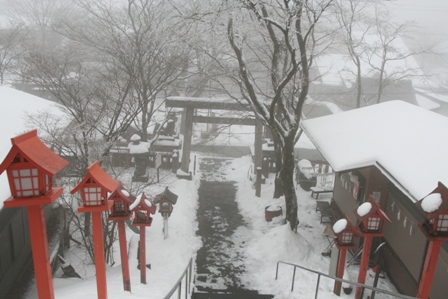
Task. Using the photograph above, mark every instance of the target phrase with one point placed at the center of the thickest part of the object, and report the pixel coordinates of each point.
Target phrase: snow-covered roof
(406, 142)
(15, 105)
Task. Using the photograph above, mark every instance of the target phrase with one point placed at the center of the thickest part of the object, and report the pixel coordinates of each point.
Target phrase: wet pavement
(220, 261)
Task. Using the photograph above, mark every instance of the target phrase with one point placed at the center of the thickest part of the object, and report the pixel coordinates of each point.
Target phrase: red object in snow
(343, 240)
(435, 228)
(94, 188)
(30, 166)
(372, 222)
(142, 208)
(120, 212)
(370, 225)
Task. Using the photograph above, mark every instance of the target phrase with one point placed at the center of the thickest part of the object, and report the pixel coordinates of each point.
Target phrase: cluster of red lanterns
(30, 166)
(370, 219)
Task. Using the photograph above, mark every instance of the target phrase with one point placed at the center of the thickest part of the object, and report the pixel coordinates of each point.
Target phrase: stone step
(226, 294)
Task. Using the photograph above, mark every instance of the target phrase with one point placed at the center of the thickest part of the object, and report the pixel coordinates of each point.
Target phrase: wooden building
(395, 152)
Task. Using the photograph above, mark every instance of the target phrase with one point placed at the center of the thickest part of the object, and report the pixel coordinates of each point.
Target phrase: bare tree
(10, 48)
(284, 45)
(39, 16)
(388, 48)
(143, 41)
(355, 22)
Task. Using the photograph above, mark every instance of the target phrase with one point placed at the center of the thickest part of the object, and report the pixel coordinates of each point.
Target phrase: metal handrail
(178, 285)
(319, 274)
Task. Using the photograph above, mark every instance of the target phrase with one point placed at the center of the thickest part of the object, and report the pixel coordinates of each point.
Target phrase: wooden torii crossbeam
(189, 104)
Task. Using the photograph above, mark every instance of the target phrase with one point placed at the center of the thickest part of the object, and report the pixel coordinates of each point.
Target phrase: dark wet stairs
(227, 294)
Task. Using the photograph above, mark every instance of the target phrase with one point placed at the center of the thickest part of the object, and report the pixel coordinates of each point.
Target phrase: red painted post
(143, 254)
(98, 251)
(41, 258)
(429, 269)
(340, 271)
(364, 266)
(124, 255)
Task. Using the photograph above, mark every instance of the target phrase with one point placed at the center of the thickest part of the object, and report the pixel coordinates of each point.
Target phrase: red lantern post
(344, 231)
(142, 209)
(120, 212)
(94, 188)
(30, 166)
(370, 223)
(435, 228)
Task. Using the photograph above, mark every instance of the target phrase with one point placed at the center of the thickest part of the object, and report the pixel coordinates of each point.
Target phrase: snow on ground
(266, 244)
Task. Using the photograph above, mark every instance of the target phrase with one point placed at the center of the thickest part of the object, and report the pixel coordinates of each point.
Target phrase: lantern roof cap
(95, 172)
(142, 202)
(375, 209)
(122, 193)
(167, 194)
(35, 151)
(432, 210)
(344, 225)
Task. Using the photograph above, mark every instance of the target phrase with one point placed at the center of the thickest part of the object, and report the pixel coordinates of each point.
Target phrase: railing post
(276, 272)
(179, 290)
(293, 277)
(186, 284)
(317, 286)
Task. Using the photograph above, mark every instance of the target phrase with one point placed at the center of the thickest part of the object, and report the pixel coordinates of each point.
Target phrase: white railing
(187, 274)
(319, 274)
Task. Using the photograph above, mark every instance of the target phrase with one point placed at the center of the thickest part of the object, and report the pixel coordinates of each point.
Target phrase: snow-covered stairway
(220, 263)
(226, 294)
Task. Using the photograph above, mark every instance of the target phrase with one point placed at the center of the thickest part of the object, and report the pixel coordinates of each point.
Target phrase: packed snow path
(219, 261)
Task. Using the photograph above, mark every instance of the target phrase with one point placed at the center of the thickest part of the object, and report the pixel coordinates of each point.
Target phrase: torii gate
(189, 104)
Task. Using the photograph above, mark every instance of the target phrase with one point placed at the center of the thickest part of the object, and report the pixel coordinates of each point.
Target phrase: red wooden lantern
(370, 223)
(120, 212)
(435, 208)
(371, 217)
(121, 199)
(142, 209)
(30, 166)
(94, 188)
(345, 232)
(435, 228)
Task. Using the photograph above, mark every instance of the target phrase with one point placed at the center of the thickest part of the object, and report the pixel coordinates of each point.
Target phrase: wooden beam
(224, 120)
(205, 103)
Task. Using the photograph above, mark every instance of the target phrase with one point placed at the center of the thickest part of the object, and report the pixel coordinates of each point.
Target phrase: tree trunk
(359, 87)
(278, 184)
(287, 177)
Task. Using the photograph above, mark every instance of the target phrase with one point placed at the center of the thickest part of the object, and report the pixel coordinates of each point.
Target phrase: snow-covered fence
(319, 274)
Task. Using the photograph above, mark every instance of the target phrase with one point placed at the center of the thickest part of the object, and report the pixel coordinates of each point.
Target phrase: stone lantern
(370, 223)
(120, 211)
(345, 232)
(94, 189)
(435, 227)
(30, 166)
(142, 209)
